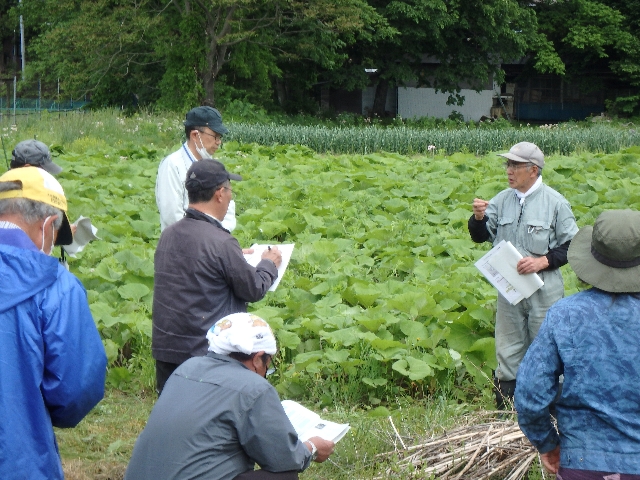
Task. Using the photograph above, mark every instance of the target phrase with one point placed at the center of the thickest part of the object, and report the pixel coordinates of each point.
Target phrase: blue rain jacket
(52, 361)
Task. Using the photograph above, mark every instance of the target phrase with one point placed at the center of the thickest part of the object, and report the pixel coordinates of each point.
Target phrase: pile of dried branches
(486, 447)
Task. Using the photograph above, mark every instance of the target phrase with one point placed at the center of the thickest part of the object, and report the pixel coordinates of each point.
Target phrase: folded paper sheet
(85, 233)
(499, 266)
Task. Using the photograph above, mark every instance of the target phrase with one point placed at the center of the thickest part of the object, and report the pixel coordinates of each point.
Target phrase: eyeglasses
(216, 137)
(227, 188)
(267, 362)
(516, 165)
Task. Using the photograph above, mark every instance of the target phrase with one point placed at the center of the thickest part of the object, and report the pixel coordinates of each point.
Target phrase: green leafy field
(381, 311)
(381, 297)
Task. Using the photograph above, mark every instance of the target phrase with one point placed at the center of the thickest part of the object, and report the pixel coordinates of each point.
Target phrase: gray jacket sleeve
(267, 436)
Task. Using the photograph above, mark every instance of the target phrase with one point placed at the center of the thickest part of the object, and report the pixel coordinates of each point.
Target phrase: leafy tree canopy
(177, 53)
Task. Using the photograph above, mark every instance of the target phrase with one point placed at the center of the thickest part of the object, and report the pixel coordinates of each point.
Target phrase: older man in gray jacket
(538, 221)
(200, 272)
(218, 416)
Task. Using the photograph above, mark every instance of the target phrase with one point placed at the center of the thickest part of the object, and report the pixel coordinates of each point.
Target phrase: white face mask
(44, 225)
(201, 150)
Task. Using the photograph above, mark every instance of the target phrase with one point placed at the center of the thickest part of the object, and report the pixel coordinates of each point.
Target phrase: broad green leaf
(133, 291)
(288, 339)
(361, 293)
(106, 272)
(345, 337)
(337, 356)
(587, 198)
(375, 382)
(413, 368)
(111, 349)
(272, 229)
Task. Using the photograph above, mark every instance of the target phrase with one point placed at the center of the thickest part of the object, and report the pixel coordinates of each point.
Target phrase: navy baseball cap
(206, 174)
(206, 117)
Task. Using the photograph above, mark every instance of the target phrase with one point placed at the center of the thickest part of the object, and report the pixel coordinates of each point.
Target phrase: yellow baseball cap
(40, 186)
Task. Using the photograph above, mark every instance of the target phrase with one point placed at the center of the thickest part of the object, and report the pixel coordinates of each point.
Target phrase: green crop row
(409, 141)
(165, 129)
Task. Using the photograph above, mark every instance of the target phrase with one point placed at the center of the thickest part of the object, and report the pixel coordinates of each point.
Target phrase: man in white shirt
(204, 130)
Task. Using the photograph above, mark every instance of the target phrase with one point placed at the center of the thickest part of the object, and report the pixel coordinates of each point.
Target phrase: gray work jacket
(214, 420)
(545, 221)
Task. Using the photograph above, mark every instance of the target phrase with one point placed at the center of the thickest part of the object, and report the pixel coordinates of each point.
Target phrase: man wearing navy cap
(200, 274)
(204, 129)
(538, 221)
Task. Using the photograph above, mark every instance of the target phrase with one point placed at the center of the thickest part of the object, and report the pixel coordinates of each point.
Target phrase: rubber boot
(504, 391)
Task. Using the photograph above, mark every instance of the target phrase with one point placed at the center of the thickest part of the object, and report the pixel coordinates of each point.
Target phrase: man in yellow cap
(53, 363)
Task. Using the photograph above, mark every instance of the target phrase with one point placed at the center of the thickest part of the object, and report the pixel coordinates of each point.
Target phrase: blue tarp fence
(35, 104)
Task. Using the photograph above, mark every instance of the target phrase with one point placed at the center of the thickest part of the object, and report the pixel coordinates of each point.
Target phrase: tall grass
(111, 126)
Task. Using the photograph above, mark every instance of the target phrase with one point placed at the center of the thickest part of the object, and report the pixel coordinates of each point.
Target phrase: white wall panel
(425, 102)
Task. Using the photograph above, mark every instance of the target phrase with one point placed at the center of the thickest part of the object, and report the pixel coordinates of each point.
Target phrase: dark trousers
(163, 372)
(264, 475)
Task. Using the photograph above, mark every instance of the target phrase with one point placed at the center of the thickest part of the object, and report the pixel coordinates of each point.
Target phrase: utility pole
(22, 49)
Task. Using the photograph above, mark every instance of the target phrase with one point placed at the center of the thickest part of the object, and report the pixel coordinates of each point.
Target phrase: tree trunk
(380, 99)
(209, 84)
(217, 49)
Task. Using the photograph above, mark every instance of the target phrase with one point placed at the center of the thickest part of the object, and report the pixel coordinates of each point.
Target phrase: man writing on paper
(218, 415)
(538, 221)
(200, 274)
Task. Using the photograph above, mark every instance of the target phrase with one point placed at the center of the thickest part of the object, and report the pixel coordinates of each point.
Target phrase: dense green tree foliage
(173, 53)
(441, 43)
(593, 38)
(177, 53)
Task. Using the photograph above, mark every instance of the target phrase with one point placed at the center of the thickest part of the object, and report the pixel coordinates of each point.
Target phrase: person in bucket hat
(204, 130)
(218, 415)
(539, 223)
(53, 363)
(592, 338)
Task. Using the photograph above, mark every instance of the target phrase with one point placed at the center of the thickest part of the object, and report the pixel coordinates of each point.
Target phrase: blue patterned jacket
(593, 338)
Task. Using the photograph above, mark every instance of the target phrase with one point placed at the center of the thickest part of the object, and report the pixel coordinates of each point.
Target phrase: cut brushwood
(488, 446)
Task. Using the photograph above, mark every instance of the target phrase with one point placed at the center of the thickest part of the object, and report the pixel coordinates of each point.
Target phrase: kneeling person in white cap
(539, 223)
(218, 415)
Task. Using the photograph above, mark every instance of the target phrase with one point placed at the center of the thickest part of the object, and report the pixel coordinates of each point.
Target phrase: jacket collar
(198, 215)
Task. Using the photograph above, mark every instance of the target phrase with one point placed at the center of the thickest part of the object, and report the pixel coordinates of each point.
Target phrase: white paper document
(85, 233)
(499, 266)
(309, 424)
(254, 258)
